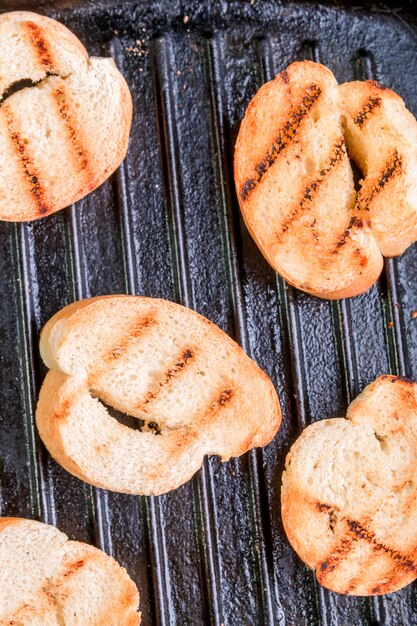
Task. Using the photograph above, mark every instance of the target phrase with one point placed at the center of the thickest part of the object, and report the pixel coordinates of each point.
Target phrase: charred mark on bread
(31, 176)
(285, 136)
(355, 223)
(364, 114)
(368, 535)
(225, 397)
(59, 95)
(357, 531)
(393, 168)
(339, 150)
(221, 400)
(320, 506)
(39, 44)
(338, 554)
(376, 84)
(179, 365)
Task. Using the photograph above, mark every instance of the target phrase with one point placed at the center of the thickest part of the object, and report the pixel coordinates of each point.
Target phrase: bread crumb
(186, 19)
(138, 49)
(413, 314)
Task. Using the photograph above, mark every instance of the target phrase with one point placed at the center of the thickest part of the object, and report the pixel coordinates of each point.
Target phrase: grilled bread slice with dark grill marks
(46, 580)
(349, 492)
(295, 185)
(161, 363)
(64, 118)
(381, 136)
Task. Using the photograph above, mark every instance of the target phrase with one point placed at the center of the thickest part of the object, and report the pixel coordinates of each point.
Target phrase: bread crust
(204, 392)
(295, 185)
(349, 492)
(56, 581)
(54, 159)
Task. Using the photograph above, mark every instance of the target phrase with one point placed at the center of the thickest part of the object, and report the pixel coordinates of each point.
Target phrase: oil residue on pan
(167, 224)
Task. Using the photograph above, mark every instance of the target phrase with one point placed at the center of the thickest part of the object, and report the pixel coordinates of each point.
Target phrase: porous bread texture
(295, 184)
(159, 362)
(67, 130)
(349, 491)
(381, 136)
(47, 580)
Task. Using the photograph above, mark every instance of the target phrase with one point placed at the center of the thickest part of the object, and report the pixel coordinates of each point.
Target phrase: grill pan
(167, 224)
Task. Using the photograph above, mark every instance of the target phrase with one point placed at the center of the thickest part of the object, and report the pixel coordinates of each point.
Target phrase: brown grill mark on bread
(80, 152)
(364, 114)
(355, 223)
(376, 84)
(338, 554)
(307, 198)
(356, 531)
(30, 174)
(225, 397)
(392, 169)
(285, 136)
(361, 531)
(138, 329)
(180, 363)
(39, 43)
(73, 567)
(222, 399)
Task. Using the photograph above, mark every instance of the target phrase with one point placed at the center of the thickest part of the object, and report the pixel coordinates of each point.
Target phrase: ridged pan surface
(167, 224)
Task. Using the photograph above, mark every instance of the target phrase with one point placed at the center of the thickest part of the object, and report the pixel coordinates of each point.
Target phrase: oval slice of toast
(194, 389)
(64, 117)
(349, 492)
(47, 580)
(295, 183)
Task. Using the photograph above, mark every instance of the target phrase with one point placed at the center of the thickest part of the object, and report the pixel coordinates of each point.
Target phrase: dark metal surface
(167, 224)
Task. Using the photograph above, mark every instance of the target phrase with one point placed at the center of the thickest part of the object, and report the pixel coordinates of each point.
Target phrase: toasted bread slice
(161, 363)
(381, 136)
(46, 580)
(295, 185)
(349, 492)
(64, 118)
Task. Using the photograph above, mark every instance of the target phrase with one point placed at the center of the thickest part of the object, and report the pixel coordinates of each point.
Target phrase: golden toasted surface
(64, 117)
(47, 580)
(295, 184)
(349, 492)
(194, 389)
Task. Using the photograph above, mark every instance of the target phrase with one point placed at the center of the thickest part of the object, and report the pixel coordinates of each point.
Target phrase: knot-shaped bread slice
(47, 580)
(295, 183)
(194, 388)
(349, 492)
(64, 117)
